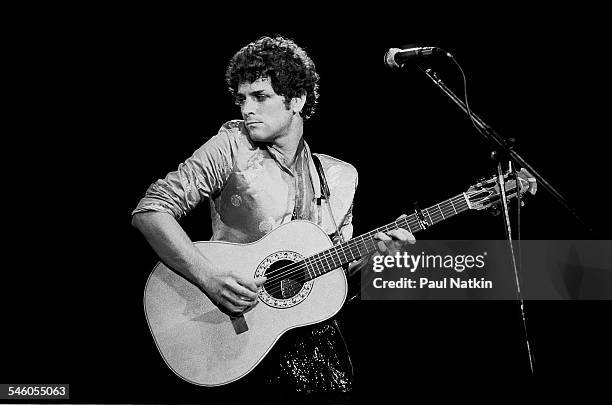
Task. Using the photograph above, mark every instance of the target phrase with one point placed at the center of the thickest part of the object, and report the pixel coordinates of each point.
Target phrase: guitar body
(206, 347)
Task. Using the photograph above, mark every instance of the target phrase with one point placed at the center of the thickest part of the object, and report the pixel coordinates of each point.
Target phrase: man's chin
(258, 136)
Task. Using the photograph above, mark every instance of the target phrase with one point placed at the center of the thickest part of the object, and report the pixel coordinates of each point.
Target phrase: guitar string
(351, 246)
(298, 275)
(296, 268)
(283, 272)
(434, 218)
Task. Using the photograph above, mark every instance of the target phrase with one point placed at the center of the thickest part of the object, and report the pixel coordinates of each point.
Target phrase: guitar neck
(365, 244)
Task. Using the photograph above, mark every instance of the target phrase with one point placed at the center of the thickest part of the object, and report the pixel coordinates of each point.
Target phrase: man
(257, 174)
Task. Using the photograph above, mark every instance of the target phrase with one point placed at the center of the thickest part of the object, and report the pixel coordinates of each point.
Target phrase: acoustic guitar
(305, 285)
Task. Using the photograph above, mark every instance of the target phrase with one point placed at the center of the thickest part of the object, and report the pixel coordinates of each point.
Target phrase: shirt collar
(312, 169)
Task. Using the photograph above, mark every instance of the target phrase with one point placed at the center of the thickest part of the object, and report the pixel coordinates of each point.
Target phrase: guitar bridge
(239, 324)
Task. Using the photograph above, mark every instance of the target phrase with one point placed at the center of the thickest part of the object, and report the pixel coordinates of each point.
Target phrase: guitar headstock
(487, 193)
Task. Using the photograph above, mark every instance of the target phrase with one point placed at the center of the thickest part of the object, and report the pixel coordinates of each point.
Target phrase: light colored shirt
(251, 190)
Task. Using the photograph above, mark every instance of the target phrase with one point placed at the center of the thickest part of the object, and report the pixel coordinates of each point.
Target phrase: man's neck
(290, 145)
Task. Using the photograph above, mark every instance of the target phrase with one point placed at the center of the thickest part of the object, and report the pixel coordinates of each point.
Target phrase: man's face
(264, 111)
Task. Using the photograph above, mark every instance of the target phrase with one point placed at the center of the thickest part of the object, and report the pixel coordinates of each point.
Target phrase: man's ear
(297, 103)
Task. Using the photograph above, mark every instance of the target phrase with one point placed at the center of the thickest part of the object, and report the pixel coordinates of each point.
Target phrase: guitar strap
(325, 193)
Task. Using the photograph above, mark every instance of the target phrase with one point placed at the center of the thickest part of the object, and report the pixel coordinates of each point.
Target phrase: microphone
(396, 57)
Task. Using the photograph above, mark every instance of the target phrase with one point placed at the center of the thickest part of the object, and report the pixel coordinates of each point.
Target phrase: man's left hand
(394, 241)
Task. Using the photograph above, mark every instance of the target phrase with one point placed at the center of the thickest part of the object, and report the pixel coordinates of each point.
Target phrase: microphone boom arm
(503, 145)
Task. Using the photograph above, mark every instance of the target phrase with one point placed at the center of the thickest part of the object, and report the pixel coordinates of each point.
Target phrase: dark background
(121, 100)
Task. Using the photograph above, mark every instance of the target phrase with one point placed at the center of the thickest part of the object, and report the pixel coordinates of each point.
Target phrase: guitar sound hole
(281, 285)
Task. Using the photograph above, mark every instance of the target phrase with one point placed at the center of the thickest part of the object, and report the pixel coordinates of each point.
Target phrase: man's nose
(248, 107)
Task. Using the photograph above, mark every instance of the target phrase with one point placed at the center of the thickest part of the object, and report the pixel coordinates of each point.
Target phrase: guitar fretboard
(341, 254)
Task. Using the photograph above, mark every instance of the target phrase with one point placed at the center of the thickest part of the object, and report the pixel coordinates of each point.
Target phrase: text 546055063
(39, 391)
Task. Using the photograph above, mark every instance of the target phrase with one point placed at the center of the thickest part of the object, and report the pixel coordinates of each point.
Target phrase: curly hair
(291, 71)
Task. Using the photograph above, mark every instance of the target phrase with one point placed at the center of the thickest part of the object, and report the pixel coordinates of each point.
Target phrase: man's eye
(260, 97)
(238, 101)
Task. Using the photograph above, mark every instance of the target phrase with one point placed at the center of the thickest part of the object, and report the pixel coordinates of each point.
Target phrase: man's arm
(232, 294)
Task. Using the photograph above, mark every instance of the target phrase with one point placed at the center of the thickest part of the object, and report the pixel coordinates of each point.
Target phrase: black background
(116, 100)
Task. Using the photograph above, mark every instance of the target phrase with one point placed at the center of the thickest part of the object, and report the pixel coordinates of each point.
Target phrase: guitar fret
(333, 259)
(448, 209)
(315, 265)
(316, 268)
(339, 259)
(415, 223)
(370, 242)
(321, 263)
(440, 209)
(344, 254)
(467, 201)
(453, 205)
(429, 215)
(460, 203)
(357, 254)
(347, 258)
(359, 250)
(408, 225)
(324, 263)
(329, 258)
(310, 277)
(329, 264)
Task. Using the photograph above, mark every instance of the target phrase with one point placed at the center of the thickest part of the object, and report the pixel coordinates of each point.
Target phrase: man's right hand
(232, 294)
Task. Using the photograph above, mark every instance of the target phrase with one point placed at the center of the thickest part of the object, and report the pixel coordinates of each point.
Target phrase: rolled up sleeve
(197, 178)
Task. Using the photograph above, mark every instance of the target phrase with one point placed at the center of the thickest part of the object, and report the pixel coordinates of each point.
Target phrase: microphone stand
(504, 146)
